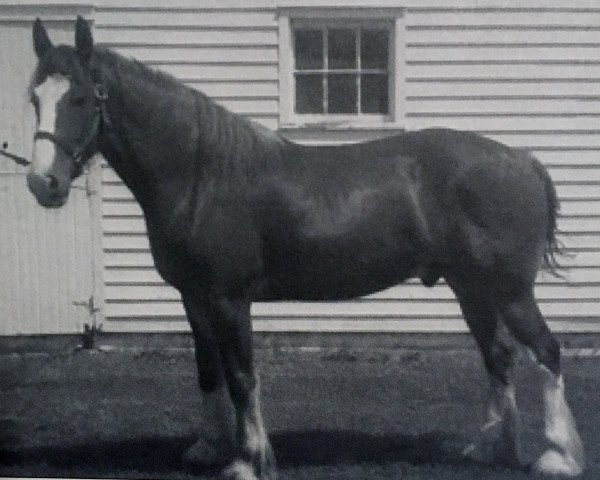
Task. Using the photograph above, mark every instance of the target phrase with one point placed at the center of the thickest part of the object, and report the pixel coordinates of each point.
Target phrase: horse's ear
(41, 41)
(84, 44)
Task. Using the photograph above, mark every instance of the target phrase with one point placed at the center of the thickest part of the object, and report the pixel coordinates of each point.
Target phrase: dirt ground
(333, 414)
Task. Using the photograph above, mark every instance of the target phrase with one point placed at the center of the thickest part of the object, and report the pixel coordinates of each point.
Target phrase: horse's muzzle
(47, 190)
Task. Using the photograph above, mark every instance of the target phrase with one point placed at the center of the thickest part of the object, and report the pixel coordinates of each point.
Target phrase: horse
(235, 213)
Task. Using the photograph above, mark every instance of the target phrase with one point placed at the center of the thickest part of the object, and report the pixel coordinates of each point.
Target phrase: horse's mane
(228, 141)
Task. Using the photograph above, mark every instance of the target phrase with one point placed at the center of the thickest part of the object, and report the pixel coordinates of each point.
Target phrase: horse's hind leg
(499, 439)
(564, 454)
(255, 457)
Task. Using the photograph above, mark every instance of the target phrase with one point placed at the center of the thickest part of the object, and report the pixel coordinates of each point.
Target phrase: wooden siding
(46, 261)
(525, 76)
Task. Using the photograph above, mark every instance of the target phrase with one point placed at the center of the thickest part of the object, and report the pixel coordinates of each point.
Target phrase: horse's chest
(172, 261)
(217, 253)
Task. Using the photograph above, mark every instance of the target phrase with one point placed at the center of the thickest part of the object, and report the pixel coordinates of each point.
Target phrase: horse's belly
(336, 274)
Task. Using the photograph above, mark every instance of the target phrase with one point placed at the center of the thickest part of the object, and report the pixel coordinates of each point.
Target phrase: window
(339, 67)
(341, 70)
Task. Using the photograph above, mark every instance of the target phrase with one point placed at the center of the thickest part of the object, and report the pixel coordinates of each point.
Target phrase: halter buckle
(100, 92)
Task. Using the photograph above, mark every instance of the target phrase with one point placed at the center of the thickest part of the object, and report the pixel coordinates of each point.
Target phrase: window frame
(359, 17)
(358, 70)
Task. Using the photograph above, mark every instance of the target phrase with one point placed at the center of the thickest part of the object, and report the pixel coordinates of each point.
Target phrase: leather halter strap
(76, 153)
(80, 154)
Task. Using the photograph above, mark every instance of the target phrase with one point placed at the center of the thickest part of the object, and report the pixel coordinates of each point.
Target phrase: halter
(77, 153)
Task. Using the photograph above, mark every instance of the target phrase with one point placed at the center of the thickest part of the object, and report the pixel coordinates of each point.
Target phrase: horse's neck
(164, 139)
(150, 140)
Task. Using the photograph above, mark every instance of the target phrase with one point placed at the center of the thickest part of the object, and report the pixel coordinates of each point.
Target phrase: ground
(333, 414)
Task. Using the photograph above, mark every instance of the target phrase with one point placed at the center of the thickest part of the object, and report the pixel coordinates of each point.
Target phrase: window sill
(334, 133)
(335, 126)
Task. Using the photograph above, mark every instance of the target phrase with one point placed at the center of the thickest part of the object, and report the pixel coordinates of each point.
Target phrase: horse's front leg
(255, 457)
(216, 445)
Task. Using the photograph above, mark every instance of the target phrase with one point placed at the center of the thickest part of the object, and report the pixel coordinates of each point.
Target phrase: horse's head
(66, 100)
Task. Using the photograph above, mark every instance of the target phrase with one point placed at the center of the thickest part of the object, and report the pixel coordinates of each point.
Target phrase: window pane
(309, 94)
(308, 49)
(374, 94)
(342, 48)
(343, 93)
(374, 49)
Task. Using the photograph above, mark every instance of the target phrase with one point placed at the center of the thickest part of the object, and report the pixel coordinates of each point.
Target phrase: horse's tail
(553, 246)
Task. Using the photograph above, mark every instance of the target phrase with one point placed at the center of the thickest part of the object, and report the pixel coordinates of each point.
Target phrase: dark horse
(236, 214)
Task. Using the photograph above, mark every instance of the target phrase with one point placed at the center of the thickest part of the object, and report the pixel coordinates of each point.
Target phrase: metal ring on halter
(100, 92)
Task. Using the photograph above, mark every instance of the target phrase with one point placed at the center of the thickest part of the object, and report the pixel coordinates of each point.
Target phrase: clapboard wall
(527, 76)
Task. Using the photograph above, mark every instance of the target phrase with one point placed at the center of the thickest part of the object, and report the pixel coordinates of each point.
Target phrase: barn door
(46, 256)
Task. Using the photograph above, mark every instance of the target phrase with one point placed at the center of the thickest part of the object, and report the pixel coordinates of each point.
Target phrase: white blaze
(48, 94)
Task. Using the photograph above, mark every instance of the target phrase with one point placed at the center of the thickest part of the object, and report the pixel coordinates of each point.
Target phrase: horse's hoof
(239, 470)
(491, 453)
(477, 453)
(555, 464)
(204, 454)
